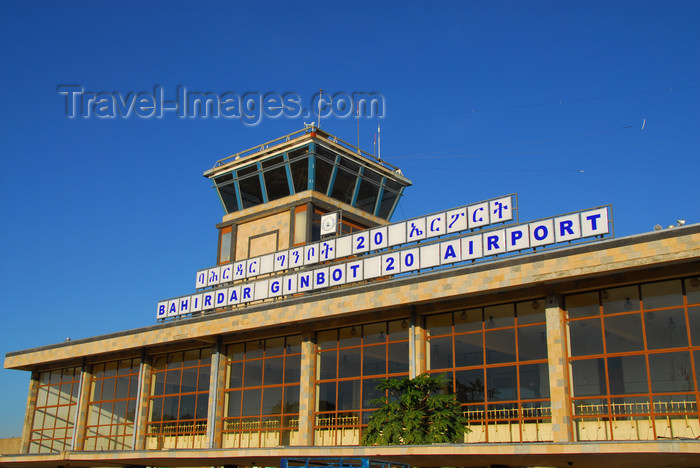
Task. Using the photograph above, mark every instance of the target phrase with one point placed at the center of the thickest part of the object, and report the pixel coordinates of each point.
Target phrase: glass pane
(291, 399)
(370, 392)
(469, 385)
(670, 372)
(329, 365)
(344, 185)
(294, 344)
(389, 198)
(234, 404)
(501, 383)
(170, 408)
(588, 377)
(530, 311)
(326, 396)
(350, 364)
(623, 333)
(276, 183)
(348, 395)
(236, 352)
(324, 169)
(272, 400)
(664, 294)
(373, 360)
(225, 252)
(439, 324)
(398, 330)
(274, 347)
(253, 373)
(251, 402)
(694, 320)
(398, 358)
(532, 343)
(189, 380)
(204, 377)
(374, 333)
(692, 290)
(187, 406)
(500, 346)
(235, 379)
(367, 195)
(534, 381)
(440, 350)
(586, 337)
(468, 320)
(251, 192)
(469, 350)
(292, 369)
(620, 299)
(349, 336)
(202, 406)
(300, 174)
(582, 305)
(499, 316)
(274, 371)
(628, 374)
(666, 329)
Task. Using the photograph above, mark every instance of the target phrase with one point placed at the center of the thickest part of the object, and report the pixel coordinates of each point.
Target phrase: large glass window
(179, 399)
(112, 405)
(351, 361)
(633, 355)
(261, 398)
(54, 411)
(496, 361)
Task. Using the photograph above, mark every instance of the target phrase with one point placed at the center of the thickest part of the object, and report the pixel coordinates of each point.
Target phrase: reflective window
(632, 364)
(112, 405)
(496, 361)
(179, 400)
(261, 395)
(351, 361)
(54, 411)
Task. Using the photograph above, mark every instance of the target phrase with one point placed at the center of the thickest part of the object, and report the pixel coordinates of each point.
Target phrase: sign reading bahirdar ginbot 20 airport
(470, 233)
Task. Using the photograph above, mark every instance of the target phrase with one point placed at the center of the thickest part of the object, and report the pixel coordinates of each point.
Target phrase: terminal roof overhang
(281, 167)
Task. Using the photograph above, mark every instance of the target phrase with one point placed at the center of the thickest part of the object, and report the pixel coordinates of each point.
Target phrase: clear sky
(571, 105)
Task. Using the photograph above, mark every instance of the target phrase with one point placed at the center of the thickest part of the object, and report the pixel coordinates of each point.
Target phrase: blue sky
(569, 104)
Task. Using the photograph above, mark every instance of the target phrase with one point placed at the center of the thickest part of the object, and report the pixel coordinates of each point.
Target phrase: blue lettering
(310, 253)
(565, 227)
(295, 254)
(492, 243)
(378, 238)
(415, 232)
(337, 274)
(474, 215)
(252, 267)
(281, 259)
(234, 296)
(454, 218)
(408, 259)
(593, 219)
(183, 304)
(207, 300)
(360, 243)
(432, 225)
(226, 273)
(213, 277)
(304, 281)
(239, 269)
(246, 292)
(541, 232)
(471, 247)
(220, 298)
(201, 278)
(514, 236)
(195, 302)
(499, 209)
(161, 309)
(275, 286)
(320, 278)
(173, 309)
(354, 269)
(449, 253)
(390, 264)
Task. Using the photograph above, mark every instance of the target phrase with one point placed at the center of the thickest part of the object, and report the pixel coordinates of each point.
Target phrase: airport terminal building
(565, 345)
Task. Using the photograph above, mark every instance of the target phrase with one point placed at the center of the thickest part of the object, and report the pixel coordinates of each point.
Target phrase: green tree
(415, 411)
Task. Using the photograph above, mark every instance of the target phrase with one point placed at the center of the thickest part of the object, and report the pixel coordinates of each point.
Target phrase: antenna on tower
(320, 94)
(379, 141)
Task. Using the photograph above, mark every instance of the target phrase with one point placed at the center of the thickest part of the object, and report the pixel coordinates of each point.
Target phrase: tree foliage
(415, 412)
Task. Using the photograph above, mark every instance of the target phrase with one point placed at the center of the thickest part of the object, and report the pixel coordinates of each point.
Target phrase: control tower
(275, 194)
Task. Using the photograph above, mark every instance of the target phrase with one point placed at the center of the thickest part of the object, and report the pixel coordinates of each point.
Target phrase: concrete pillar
(81, 409)
(419, 339)
(29, 414)
(217, 379)
(558, 370)
(141, 416)
(307, 390)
